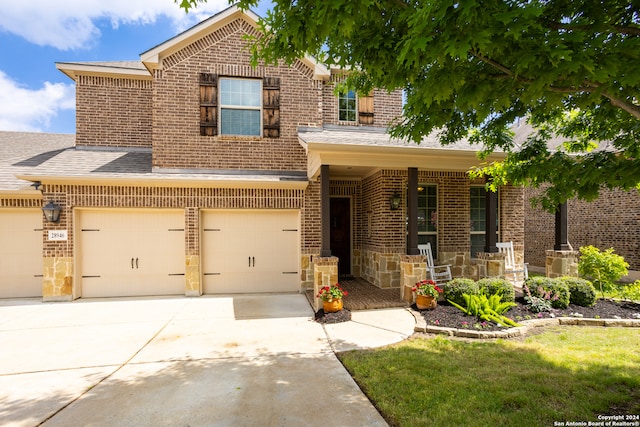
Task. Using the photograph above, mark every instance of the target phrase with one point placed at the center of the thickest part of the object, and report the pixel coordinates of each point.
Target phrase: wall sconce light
(394, 201)
(52, 212)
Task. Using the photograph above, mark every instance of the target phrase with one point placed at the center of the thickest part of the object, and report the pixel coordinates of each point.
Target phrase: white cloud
(69, 24)
(28, 110)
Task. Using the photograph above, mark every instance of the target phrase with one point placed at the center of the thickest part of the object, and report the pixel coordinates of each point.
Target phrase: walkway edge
(527, 326)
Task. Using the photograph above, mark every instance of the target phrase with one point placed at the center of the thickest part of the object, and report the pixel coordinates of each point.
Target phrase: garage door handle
(132, 263)
(136, 262)
(254, 261)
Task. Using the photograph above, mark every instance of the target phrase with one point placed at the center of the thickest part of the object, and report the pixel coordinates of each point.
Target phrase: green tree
(604, 269)
(471, 69)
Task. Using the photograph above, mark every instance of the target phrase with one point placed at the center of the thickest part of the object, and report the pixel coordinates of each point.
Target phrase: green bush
(454, 289)
(557, 290)
(629, 291)
(497, 286)
(604, 269)
(581, 291)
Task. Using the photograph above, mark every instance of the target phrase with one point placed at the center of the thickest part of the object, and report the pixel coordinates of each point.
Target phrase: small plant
(602, 268)
(497, 286)
(488, 309)
(456, 288)
(558, 291)
(581, 291)
(541, 302)
(629, 291)
(330, 293)
(427, 288)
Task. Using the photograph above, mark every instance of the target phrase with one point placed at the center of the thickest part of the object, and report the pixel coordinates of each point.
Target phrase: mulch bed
(343, 315)
(446, 315)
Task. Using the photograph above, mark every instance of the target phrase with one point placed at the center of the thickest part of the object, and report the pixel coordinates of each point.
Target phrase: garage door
(251, 251)
(20, 253)
(131, 252)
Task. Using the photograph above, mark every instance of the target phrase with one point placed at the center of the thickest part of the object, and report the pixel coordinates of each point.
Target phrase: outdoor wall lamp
(52, 212)
(394, 201)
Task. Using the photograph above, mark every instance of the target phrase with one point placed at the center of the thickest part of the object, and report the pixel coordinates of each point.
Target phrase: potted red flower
(332, 297)
(427, 293)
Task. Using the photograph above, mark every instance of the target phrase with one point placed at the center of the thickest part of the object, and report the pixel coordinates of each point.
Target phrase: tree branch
(587, 86)
(630, 108)
(619, 29)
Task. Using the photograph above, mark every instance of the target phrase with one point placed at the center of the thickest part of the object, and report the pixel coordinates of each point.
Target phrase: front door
(340, 239)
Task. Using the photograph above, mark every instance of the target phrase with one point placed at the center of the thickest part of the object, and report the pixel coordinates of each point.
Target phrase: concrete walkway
(208, 361)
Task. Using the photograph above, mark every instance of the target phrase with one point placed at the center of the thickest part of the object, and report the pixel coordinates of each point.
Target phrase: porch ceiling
(359, 152)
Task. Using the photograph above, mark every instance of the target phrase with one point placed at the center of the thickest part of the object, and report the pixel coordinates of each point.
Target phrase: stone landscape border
(520, 331)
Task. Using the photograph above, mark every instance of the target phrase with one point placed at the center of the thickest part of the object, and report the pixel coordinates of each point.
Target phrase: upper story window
(240, 106)
(347, 107)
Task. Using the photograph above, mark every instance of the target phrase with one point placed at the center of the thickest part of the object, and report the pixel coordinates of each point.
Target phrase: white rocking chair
(510, 266)
(438, 273)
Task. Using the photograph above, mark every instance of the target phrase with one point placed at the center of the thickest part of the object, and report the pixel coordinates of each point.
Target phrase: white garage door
(251, 251)
(20, 253)
(131, 252)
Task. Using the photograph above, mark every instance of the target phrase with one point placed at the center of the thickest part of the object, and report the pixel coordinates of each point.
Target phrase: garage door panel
(250, 251)
(131, 253)
(20, 253)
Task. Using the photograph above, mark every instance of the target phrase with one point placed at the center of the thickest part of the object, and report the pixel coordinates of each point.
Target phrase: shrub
(497, 286)
(602, 268)
(581, 291)
(454, 289)
(629, 291)
(557, 290)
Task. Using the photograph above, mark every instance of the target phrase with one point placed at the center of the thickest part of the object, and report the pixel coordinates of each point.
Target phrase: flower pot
(426, 302)
(332, 306)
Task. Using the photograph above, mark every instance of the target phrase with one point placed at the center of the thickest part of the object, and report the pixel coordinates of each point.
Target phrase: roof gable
(153, 58)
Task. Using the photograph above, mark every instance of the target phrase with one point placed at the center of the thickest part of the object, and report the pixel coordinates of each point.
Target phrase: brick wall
(177, 143)
(190, 199)
(611, 221)
(113, 112)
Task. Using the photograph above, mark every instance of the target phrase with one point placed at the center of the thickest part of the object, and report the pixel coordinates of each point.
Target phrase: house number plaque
(60, 235)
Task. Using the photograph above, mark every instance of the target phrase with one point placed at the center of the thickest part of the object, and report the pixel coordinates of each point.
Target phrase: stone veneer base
(527, 325)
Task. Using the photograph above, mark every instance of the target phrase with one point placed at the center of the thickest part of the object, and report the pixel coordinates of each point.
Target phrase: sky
(35, 34)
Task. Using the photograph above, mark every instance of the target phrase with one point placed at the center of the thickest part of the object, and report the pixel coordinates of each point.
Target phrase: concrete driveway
(208, 361)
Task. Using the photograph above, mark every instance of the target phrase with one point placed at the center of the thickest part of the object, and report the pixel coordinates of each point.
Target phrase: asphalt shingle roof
(20, 152)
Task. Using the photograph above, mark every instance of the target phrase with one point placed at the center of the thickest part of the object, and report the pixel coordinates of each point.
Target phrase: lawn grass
(563, 374)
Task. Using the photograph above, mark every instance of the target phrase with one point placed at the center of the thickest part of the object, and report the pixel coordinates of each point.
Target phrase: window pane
(429, 238)
(427, 208)
(240, 92)
(347, 106)
(477, 244)
(477, 205)
(240, 122)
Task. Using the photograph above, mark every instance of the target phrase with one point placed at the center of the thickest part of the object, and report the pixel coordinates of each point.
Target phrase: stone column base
(413, 268)
(192, 276)
(561, 263)
(57, 281)
(490, 264)
(325, 273)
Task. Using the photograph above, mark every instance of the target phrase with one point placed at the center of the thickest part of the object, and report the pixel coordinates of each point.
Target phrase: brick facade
(113, 112)
(162, 114)
(176, 105)
(611, 221)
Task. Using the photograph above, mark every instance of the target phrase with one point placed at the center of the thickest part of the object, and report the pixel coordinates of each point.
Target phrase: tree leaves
(473, 68)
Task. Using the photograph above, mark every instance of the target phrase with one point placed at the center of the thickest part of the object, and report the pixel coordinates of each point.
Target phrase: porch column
(491, 216)
(325, 208)
(412, 212)
(562, 228)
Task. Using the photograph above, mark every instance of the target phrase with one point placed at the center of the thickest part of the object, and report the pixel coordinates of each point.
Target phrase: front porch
(365, 296)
